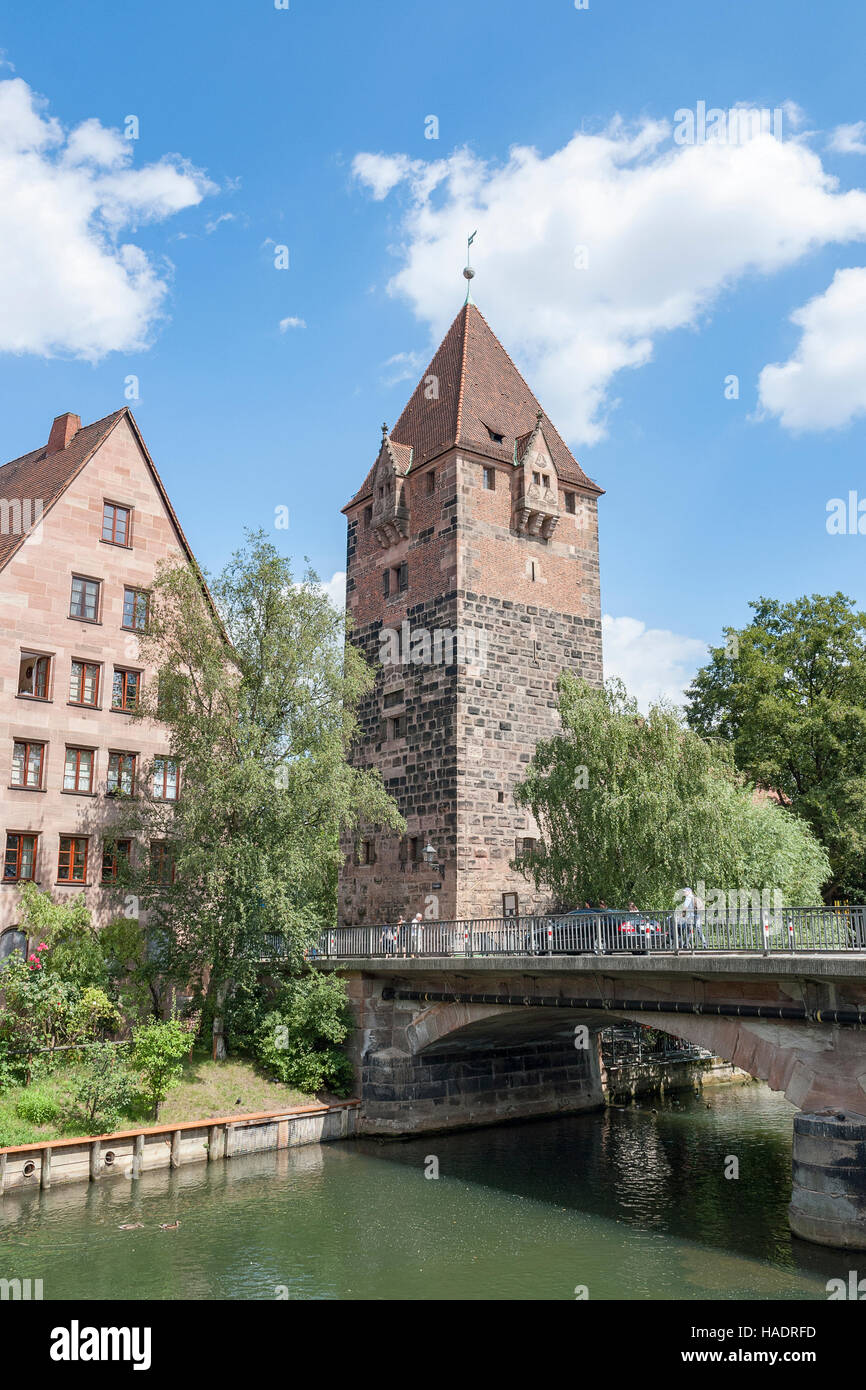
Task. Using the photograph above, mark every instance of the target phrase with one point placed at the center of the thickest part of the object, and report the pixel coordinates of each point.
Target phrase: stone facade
(111, 464)
(487, 535)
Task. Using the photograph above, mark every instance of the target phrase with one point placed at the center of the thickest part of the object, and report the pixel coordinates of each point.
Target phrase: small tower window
(490, 479)
(570, 503)
(368, 517)
(536, 478)
(431, 482)
(402, 573)
(386, 582)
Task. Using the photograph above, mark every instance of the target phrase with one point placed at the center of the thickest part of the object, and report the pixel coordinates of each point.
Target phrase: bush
(105, 1089)
(298, 1042)
(295, 1063)
(37, 1109)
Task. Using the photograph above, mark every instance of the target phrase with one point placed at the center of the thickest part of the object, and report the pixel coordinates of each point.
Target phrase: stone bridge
(444, 1042)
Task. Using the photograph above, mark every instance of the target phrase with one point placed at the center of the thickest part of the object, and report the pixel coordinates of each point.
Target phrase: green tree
(260, 714)
(787, 694)
(158, 1053)
(634, 806)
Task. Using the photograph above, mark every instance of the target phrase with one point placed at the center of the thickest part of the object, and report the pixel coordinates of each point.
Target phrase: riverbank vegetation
(260, 713)
(635, 806)
(83, 1050)
(49, 1108)
(786, 694)
(238, 843)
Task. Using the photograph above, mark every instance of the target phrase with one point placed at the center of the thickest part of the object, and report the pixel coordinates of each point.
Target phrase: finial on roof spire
(468, 272)
(384, 429)
(538, 415)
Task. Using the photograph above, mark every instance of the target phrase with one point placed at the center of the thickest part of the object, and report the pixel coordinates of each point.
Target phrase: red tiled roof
(477, 384)
(43, 476)
(40, 476)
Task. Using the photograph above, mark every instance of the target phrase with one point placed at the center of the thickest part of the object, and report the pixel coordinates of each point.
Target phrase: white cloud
(404, 367)
(849, 139)
(92, 143)
(823, 384)
(215, 222)
(652, 662)
(335, 588)
(291, 322)
(68, 283)
(381, 172)
(667, 228)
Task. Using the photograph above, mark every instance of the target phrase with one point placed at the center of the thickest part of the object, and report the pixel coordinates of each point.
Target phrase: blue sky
(305, 127)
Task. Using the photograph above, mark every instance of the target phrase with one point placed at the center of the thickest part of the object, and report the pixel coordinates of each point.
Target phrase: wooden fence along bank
(132, 1152)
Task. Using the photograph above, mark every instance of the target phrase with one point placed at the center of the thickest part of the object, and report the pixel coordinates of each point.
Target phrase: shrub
(37, 1108)
(105, 1089)
(299, 1040)
(294, 1062)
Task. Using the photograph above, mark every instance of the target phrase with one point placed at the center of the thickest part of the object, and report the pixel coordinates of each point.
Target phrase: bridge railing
(603, 933)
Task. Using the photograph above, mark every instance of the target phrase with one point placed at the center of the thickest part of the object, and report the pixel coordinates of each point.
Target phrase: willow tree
(257, 691)
(636, 807)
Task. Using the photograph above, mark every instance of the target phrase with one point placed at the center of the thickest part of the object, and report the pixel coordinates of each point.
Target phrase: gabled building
(84, 522)
(472, 582)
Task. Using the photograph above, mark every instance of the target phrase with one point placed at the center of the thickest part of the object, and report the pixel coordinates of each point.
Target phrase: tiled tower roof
(478, 393)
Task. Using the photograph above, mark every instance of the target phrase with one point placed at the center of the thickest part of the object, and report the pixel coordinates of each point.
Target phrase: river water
(628, 1203)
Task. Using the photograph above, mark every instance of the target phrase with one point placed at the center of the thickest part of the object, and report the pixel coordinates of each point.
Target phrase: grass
(208, 1089)
(233, 1087)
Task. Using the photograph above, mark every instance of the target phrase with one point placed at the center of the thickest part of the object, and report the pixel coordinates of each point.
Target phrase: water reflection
(631, 1202)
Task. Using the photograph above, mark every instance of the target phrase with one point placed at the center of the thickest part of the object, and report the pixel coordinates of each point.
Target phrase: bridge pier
(828, 1203)
(414, 1080)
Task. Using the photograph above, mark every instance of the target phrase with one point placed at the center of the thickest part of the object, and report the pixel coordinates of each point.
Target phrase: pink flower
(31, 957)
(43, 946)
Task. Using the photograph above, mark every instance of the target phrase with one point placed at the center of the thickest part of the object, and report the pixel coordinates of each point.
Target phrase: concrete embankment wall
(129, 1153)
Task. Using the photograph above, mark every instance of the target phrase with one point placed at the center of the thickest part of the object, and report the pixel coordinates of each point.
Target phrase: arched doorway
(12, 942)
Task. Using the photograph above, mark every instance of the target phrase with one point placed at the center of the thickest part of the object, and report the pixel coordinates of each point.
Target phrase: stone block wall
(527, 607)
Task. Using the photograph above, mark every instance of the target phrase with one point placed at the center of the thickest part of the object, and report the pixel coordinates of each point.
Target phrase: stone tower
(472, 582)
